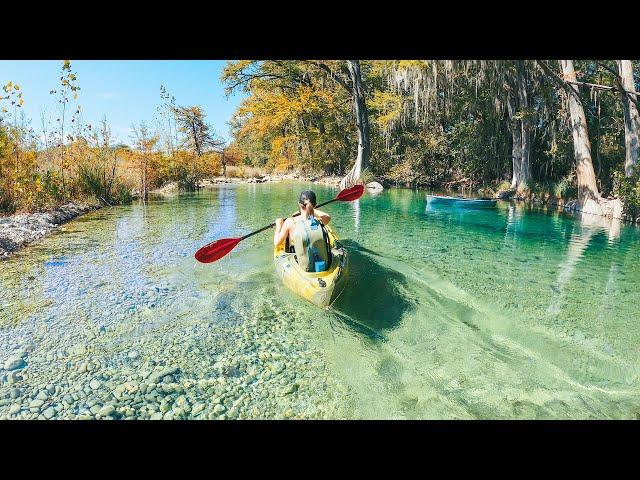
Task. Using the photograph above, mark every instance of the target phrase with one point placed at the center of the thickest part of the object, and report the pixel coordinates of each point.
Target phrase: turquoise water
(510, 312)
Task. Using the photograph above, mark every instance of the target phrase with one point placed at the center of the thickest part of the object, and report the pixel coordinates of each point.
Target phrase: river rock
(36, 403)
(15, 393)
(156, 377)
(13, 377)
(49, 413)
(94, 384)
(15, 408)
(290, 389)
(374, 186)
(14, 362)
(107, 410)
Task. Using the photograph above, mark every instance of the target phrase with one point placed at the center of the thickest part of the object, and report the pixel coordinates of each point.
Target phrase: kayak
(443, 200)
(319, 288)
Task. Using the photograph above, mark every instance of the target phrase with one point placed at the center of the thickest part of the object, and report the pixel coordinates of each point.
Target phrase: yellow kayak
(320, 288)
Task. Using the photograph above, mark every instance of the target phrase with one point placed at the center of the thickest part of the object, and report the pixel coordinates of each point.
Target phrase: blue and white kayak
(443, 200)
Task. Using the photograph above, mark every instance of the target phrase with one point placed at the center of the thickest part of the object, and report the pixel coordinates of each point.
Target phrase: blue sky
(126, 91)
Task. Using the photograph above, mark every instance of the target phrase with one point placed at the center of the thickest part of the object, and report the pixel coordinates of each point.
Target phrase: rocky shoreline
(172, 188)
(19, 230)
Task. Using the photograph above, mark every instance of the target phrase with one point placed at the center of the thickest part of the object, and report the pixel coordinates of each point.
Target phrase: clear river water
(504, 313)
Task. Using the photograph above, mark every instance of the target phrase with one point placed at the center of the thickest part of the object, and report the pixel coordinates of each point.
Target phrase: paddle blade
(350, 194)
(216, 250)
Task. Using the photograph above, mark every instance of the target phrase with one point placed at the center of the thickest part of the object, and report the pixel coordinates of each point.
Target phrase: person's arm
(282, 230)
(322, 216)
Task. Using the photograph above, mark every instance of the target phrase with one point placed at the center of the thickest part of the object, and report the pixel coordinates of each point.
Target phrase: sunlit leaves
(296, 112)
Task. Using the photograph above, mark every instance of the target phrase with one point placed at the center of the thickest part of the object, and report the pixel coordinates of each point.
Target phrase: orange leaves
(283, 155)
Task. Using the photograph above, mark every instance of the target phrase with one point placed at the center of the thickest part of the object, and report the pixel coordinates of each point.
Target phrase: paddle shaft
(274, 223)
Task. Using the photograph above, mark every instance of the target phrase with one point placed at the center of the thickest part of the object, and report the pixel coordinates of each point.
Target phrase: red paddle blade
(216, 250)
(350, 194)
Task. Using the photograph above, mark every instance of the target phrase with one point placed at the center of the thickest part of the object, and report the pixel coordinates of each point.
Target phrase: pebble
(15, 408)
(14, 362)
(107, 410)
(36, 403)
(94, 384)
(197, 408)
(290, 389)
(219, 409)
(14, 377)
(157, 377)
(15, 393)
(49, 413)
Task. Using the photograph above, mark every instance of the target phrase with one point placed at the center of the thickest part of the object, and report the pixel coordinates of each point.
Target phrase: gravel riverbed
(249, 367)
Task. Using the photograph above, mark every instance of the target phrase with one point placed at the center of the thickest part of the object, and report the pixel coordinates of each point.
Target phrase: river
(512, 312)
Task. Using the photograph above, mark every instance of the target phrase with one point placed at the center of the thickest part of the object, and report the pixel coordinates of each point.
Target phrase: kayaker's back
(311, 244)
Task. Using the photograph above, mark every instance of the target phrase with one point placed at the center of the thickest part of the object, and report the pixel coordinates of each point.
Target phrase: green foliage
(628, 190)
(565, 188)
(430, 121)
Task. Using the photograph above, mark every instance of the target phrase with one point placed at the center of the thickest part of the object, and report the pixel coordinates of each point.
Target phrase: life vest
(309, 243)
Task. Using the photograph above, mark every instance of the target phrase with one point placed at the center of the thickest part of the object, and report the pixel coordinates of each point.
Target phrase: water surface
(509, 312)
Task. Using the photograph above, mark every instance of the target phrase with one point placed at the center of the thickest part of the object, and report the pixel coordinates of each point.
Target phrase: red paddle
(219, 248)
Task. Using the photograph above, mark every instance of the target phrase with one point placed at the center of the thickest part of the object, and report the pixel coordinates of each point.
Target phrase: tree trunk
(631, 119)
(525, 124)
(516, 149)
(144, 180)
(587, 185)
(224, 165)
(362, 123)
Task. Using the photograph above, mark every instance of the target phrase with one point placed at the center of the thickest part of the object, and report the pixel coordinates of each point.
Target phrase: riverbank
(19, 230)
(610, 207)
(172, 188)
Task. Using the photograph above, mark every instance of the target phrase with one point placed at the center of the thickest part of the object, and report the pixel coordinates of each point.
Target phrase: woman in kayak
(304, 232)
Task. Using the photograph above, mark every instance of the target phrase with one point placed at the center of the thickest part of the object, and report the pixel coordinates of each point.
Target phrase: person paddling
(306, 234)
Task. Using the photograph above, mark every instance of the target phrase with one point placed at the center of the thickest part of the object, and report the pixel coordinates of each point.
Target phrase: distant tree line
(566, 128)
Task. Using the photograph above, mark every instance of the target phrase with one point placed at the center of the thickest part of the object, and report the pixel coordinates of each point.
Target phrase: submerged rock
(14, 362)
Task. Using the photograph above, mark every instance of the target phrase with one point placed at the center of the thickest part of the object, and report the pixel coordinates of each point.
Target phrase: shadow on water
(373, 301)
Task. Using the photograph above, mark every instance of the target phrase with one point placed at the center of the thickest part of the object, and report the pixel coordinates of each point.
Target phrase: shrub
(565, 188)
(628, 190)
(503, 186)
